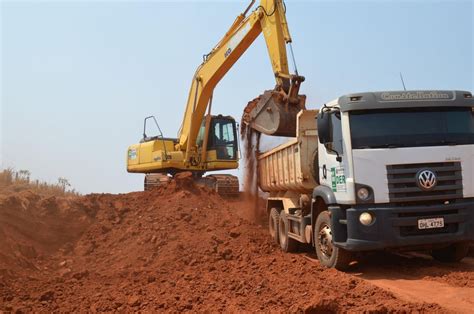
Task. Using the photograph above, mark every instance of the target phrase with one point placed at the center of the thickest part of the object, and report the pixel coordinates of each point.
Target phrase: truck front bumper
(397, 226)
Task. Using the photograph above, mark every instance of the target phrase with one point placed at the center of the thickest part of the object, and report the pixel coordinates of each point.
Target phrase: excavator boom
(268, 18)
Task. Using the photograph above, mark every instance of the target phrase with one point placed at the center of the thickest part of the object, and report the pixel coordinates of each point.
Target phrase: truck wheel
(452, 253)
(273, 222)
(329, 255)
(287, 244)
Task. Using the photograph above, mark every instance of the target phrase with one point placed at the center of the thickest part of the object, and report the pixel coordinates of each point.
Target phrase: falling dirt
(251, 140)
(178, 248)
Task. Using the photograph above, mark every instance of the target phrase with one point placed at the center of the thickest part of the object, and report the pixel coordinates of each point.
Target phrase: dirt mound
(33, 226)
(180, 247)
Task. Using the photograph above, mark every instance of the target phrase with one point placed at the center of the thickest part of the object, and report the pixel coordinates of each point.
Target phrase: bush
(20, 180)
(6, 177)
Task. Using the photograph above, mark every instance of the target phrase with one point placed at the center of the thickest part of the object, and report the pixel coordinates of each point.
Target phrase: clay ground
(183, 248)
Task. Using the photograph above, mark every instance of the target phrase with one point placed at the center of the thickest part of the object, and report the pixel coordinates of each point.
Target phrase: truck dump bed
(292, 166)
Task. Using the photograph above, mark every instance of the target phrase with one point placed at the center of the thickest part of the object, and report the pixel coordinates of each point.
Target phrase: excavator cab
(221, 141)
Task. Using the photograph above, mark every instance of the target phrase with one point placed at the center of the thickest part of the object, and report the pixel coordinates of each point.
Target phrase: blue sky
(77, 78)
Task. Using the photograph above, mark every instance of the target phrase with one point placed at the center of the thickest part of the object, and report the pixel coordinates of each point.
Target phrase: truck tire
(287, 244)
(452, 253)
(273, 223)
(328, 254)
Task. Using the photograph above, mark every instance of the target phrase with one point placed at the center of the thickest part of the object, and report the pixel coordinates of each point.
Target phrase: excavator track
(226, 185)
(154, 180)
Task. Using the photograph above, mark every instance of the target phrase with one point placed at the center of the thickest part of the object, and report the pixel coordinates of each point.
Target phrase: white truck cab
(395, 171)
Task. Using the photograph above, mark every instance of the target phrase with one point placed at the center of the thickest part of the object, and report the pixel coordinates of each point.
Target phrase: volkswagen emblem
(426, 179)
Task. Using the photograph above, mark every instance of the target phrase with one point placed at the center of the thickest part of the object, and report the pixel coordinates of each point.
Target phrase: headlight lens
(366, 219)
(363, 194)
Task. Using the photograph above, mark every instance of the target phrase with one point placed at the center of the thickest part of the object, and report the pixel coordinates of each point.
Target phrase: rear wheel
(452, 253)
(328, 254)
(287, 244)
(273, 223)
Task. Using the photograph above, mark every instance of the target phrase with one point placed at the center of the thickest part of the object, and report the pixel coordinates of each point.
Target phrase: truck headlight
(366, 218)
(363, 194)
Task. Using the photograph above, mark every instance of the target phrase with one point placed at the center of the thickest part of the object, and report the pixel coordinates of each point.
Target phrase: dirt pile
(33, 226)
(180, 247)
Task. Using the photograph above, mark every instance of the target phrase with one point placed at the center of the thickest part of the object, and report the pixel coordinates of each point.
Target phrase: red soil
(180, 247)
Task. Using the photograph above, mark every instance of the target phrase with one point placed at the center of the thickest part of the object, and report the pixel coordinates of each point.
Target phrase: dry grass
(20, 180)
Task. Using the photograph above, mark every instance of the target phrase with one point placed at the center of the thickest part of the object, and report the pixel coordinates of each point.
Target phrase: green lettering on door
(333, 179)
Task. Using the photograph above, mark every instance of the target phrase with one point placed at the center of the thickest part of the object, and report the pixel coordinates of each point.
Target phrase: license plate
(430, 223)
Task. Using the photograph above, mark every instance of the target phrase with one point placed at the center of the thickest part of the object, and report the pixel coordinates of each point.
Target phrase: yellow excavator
(209, 142)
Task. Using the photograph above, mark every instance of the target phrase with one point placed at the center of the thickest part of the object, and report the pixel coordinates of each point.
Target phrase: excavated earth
(183, 248)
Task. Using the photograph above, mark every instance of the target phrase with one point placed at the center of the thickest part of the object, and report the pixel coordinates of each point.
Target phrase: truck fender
(325, 193)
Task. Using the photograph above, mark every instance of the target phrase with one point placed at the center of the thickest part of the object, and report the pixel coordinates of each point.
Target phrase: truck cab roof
(403, 99)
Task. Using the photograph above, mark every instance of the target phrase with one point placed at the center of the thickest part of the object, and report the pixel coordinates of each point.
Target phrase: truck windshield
(412, 127)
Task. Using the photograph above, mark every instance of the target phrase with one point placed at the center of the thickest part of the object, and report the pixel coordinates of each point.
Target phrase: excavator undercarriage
(225, 185)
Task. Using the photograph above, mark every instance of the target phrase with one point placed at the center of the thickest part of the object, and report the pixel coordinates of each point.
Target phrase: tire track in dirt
(418, 278)
(456, 299)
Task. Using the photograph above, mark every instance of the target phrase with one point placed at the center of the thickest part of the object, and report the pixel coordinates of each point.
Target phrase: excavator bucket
(272, 114)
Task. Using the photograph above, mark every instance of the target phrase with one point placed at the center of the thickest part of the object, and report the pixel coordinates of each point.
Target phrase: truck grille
(403, 187)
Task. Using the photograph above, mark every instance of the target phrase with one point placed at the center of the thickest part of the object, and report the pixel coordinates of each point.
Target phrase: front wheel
(452, 253)
(328, 254)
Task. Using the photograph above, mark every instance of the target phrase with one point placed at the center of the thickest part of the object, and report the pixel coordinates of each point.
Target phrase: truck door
(332, 172)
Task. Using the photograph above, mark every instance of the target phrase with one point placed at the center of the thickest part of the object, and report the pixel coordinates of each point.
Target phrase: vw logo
(426, 179)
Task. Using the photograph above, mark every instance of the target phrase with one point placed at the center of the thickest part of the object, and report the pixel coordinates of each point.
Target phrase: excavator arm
(268, 18)
(209, 143)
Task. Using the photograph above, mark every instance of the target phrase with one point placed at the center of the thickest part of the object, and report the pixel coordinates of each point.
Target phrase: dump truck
(375, 171)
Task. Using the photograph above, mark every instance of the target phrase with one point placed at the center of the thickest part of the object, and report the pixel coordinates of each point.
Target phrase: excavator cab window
(202, 131)
(222, 138)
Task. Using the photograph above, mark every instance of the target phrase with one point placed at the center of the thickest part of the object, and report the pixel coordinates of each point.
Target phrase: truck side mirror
(324, 127)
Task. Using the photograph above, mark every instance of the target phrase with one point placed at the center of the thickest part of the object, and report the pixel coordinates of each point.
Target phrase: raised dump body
(292, 166)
